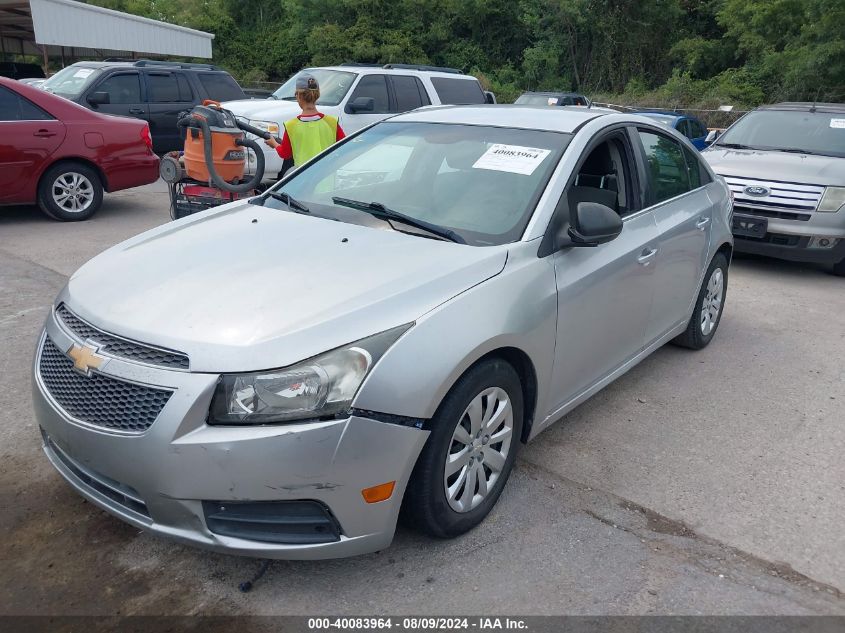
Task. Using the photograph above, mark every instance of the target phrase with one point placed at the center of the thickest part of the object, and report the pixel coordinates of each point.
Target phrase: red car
(62, 156)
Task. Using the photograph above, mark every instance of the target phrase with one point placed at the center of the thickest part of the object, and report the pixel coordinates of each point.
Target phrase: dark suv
(154, 91)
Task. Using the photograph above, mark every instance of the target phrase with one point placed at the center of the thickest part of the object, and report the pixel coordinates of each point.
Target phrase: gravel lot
(709, 482)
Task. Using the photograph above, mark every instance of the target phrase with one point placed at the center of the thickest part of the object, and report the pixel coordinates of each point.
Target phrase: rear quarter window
(221, 86)
(458, 91)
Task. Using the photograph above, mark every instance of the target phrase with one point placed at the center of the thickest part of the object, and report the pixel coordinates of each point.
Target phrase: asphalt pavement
(707, 482)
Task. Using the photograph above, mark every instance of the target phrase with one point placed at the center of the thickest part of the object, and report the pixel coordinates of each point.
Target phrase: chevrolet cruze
(378, 333)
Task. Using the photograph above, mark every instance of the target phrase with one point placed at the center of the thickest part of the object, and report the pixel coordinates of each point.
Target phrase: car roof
(515, 116)
(805, 106)
(655, 113)
(381, 70)
(552, 94)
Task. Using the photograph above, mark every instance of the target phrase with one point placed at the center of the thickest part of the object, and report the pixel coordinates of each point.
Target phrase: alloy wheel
(73, 192)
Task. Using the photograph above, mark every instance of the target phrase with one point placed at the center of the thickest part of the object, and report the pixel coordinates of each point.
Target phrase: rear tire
(475, 434)
(709, 306)
(70, 192)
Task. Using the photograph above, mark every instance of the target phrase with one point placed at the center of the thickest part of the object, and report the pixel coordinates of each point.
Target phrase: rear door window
(13, 107)
(374, 87)
(667, 167)
(163, 88)
(221, 86)
(409, 92)
(121, 88)
(458, 91)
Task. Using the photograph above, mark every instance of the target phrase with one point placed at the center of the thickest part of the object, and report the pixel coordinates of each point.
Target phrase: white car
(358, 95)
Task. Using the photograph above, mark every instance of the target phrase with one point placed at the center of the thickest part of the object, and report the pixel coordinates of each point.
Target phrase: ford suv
(785, 165)
(359, 94)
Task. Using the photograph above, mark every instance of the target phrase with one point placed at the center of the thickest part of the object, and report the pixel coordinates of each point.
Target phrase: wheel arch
(104, 181)
(524, 367)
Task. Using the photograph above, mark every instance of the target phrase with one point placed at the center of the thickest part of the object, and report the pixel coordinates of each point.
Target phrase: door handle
(44, 133)
(702, 223)
(136, 111)
(646, 256)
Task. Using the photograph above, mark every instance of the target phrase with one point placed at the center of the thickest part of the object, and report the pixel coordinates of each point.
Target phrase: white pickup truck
(358, 95)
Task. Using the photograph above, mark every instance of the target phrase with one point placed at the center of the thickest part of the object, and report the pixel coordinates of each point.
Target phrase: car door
(168, 95)
(373, 86)
(605, 292)
(28, 137)
(125, 95)
(683, 213)
(408, 93)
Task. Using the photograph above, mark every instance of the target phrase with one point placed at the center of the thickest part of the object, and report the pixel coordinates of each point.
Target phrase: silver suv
(785, 165)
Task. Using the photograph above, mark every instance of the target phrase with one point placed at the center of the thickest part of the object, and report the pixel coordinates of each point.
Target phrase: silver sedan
(382, 330)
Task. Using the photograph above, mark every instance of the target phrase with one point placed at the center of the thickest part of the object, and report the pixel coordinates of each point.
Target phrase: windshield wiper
(794, 150)
(292, 203)
(735, 146)
(378, 210)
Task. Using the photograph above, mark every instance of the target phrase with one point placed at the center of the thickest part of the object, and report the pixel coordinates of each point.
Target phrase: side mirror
(98, 98)
(489, 97)
(594, 224)
(712, 135)
(362, 104)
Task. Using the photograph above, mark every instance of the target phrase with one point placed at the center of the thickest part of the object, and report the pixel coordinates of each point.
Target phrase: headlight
(320, 387)
(267, 126)
(832, 200)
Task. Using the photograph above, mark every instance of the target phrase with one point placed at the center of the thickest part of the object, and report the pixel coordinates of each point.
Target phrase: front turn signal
(378, 493)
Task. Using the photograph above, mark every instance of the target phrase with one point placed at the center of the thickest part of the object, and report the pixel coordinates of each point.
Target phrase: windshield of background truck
(334, 84)
(480, 182)
(819, 133)
(70, 82)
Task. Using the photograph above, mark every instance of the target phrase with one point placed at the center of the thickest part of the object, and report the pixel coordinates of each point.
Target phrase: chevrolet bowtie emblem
(85, 358)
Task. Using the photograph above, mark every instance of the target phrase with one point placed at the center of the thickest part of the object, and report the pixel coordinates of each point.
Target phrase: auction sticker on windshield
(837, 123)
(82, 73)
(512, 158)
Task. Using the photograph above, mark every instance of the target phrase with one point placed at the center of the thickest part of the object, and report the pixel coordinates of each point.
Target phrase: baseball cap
(307, 82)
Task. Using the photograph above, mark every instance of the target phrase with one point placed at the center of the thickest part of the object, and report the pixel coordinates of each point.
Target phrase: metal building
(68, 29)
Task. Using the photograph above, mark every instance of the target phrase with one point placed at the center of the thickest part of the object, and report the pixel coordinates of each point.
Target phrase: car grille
(119, 493)
(120, 347)
(98, 399)
(785, 200)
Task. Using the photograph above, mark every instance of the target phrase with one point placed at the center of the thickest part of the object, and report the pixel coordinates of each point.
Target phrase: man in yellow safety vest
(309, 133)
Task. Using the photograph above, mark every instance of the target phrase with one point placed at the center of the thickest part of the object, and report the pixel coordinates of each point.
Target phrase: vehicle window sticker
(552, 100)
(837, 124)
(82, 73)
(511, 158)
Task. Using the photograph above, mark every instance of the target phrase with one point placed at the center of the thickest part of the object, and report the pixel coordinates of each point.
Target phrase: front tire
(70, 192)
(469, 455)
(839, 269)
(708, 306)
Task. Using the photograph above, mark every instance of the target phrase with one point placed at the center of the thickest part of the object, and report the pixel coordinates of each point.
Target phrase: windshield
(480, 182)
(334, 84)
(810, 132)
(70, 82)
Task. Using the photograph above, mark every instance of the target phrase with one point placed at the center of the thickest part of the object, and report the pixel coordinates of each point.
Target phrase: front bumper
(789, 239)
(272, 162)
(159, 479)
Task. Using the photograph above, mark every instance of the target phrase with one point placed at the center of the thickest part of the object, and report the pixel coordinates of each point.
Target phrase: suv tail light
(145, 136)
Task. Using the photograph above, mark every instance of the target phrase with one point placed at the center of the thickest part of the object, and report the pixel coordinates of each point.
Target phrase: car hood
(780, 166)
(247, 288)
(264, 109)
